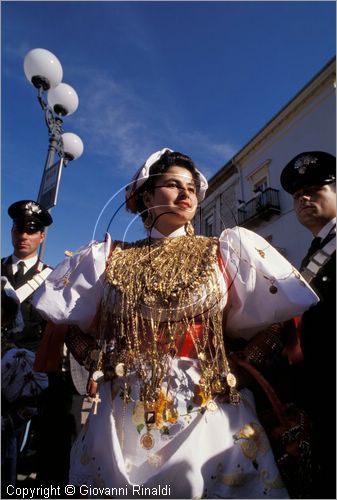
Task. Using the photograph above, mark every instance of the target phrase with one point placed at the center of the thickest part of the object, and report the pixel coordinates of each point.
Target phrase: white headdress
(143, 173)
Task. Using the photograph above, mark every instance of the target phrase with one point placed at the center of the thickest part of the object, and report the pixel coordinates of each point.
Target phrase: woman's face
(174, 200)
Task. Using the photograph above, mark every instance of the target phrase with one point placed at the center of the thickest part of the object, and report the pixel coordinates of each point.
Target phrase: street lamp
(44, 71)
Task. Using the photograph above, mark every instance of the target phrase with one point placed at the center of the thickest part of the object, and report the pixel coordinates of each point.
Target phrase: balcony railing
(262, 206)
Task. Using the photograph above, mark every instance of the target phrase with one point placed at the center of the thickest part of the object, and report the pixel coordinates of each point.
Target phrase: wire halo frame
(138, 215)
(230, 283)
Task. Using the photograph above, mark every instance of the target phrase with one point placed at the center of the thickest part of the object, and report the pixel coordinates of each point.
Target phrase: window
(260, 185)
(259, 178)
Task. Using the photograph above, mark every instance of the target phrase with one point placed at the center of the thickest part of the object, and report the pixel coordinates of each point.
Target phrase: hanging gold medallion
(120, 370)
(211, 405)
(217, 386)
(147, 441)
(234, 397)
(231, 380)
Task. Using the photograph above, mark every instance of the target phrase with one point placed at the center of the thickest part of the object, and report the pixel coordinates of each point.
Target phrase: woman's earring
(148, 222)
(189, 229)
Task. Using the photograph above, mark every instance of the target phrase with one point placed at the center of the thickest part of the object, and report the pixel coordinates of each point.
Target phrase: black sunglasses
(28, 227)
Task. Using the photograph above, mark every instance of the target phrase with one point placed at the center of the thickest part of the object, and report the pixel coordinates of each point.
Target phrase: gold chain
(148, 309)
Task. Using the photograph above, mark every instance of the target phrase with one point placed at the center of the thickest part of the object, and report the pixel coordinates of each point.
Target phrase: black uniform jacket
(30, 336)
(318, 339)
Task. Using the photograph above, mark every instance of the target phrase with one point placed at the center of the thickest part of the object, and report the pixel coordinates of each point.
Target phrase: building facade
(247, 192)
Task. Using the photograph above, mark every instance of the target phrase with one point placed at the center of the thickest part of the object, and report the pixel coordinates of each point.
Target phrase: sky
(198, 77)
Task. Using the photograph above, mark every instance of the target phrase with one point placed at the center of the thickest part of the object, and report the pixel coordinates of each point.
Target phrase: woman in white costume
(170, 419)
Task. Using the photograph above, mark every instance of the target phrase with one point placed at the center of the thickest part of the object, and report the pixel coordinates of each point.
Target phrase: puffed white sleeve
(263, 287)
(72, 292)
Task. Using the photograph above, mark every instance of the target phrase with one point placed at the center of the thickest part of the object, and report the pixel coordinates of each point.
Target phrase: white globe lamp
(72, 146)
(63, 99)
(42, 68)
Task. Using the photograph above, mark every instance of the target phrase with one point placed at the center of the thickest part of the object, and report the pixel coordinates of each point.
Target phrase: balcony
(262, 207)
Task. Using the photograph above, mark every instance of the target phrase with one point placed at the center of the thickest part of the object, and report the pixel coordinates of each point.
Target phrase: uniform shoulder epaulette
(33, 284)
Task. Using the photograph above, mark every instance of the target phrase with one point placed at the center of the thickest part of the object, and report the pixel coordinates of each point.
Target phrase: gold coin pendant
(211, 405)
(147, 441)
(231, 380)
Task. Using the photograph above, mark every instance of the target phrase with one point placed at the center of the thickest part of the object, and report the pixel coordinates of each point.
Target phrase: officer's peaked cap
(309, 168)
(24, 211)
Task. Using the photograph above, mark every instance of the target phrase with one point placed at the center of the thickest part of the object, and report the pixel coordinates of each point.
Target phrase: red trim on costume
(224, 273)
(195, 332)
(292, 336)
(49, 353)
(187, 350)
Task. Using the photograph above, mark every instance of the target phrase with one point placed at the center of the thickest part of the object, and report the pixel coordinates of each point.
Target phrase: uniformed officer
(310, 177)
(23, 272)
(52, 427)
(23, 269)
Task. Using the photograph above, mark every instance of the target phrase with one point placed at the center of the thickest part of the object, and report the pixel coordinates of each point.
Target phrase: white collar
(29, 263)
(327, 228)
(178, 232)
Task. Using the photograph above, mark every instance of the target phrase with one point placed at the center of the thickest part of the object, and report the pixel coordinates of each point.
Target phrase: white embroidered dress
(199, 451)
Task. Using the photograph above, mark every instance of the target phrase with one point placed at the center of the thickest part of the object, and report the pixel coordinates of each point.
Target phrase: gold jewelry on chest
(149, 308)
(166, 272)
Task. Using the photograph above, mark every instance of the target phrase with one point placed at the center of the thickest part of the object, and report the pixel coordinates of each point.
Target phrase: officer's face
(315, 206)
(26, 245)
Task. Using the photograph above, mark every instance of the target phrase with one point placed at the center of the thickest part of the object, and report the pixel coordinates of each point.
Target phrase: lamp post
(44, 71)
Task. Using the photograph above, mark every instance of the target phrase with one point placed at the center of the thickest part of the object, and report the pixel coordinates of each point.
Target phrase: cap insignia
(302, 163)
(32, 208)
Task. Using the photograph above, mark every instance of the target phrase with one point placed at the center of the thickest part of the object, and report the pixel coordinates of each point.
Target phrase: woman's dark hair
(167, 160)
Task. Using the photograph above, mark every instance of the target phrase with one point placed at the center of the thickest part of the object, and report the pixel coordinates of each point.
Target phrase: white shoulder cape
(256, 269)
(72, 292)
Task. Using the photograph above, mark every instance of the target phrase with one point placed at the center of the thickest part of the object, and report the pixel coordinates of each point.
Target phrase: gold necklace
(148, 308)
(168, 271)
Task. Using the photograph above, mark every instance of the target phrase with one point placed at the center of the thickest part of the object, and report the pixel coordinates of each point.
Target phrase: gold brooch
(66, 281)
(260, 252)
